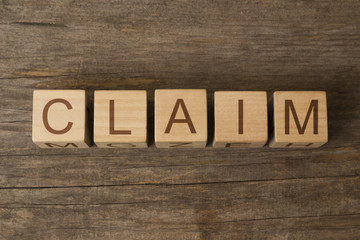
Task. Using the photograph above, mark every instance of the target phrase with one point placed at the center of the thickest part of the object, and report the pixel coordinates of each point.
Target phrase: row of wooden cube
(299, 118)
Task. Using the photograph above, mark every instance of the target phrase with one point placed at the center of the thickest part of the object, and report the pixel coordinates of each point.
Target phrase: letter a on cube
(240, 119)
(180, 118)
(300, 119)
(120, 119)
(60, 119)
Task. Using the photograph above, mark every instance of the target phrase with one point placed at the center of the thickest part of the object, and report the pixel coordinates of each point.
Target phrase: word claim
(241, 119)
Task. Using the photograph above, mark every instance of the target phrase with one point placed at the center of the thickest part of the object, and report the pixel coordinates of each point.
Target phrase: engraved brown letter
(180, 102)
(51, 145)
(112, 122)
(45, 116)
(301, 129)
(241, 117)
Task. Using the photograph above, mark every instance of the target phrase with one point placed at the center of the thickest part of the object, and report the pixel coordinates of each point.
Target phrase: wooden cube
(180, 118)
(120, 119)
(240, 119)
(60, 119)
(300, 119)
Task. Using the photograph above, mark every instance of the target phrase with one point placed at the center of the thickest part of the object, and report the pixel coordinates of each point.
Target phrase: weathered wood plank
(327, 227)
(158, 167)
(343, 108)
(179, 194)
(159, 209)
(187, 40)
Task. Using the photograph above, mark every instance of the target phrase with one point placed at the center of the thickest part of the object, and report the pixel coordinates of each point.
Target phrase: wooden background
(180, 194)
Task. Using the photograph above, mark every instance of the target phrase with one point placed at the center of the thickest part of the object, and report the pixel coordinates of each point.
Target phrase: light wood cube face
(120, 119)
(240, 119)
(180, 118)
(60, 119)
(300, 119)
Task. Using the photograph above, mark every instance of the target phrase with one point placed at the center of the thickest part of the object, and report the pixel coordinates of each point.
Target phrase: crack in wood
(167, 184)
(41, 24)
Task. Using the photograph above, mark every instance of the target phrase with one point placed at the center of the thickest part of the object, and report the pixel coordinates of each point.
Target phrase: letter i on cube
(240, 119)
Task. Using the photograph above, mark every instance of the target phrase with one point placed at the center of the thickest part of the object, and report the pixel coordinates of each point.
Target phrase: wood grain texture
(179, 193)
